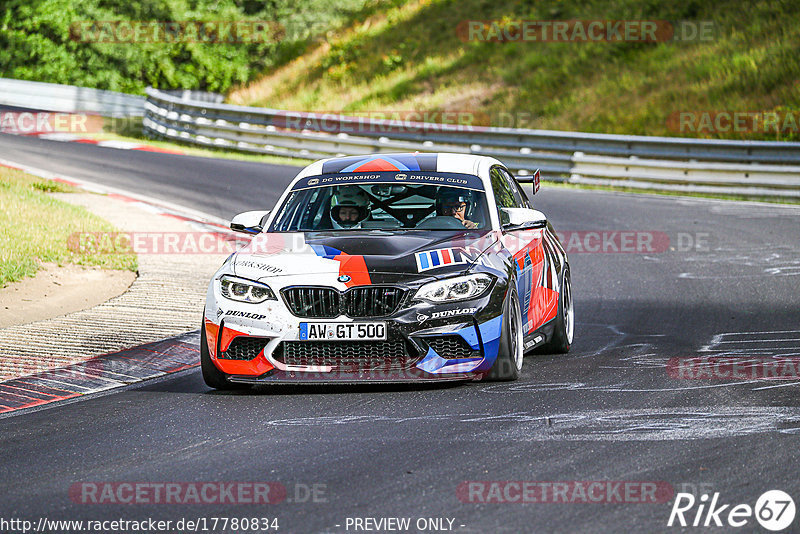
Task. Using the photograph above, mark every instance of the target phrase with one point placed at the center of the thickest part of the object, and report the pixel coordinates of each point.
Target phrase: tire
(510, 353)
(564, 328)
(213, 377)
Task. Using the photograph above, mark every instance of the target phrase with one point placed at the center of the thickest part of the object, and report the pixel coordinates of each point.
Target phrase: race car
(389, 268)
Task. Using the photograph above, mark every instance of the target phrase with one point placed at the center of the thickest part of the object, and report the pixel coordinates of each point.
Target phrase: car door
(523, 245)
(547, 261)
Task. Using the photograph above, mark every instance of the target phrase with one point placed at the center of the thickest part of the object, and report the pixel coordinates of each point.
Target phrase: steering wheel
(441, 222)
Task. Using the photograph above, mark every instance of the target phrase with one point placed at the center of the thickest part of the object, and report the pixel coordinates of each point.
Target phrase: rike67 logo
(774, 510)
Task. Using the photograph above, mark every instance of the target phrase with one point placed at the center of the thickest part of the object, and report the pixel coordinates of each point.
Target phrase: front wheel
(510, 353)
(564, 327)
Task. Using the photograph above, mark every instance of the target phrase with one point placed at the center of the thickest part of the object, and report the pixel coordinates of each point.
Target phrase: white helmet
(350, 196)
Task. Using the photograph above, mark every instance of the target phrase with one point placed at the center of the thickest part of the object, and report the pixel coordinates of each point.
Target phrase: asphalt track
(608, 411)
(217, 187)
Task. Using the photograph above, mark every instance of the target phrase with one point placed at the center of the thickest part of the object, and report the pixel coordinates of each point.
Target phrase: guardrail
(751, 168)
(69, 98)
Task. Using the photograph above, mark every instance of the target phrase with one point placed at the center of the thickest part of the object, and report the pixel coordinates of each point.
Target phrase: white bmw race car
(389, 268)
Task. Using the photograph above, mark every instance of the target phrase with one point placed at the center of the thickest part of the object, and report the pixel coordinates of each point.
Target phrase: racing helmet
(447, 197)
(353, 197)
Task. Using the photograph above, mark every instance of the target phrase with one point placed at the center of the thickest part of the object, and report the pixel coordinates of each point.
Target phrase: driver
(350, 206)
(456, 203)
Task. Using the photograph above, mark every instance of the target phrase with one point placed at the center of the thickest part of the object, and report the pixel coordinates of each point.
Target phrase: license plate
(342, 331)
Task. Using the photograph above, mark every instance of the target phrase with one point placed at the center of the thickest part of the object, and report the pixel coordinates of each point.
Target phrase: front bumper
(425, 343)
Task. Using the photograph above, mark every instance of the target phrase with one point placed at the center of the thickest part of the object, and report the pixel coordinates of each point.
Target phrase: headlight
(453, 289)
(243, 290)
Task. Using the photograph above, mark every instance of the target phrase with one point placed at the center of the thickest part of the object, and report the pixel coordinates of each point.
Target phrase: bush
(36, 44)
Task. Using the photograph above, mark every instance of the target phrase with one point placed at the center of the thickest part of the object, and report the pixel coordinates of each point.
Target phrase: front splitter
(409, 376)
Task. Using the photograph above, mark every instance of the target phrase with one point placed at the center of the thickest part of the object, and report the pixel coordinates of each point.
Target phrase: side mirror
(522, 218)
(250, 222)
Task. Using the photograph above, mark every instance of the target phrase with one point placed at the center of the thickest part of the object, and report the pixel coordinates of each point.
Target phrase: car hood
(369, 256)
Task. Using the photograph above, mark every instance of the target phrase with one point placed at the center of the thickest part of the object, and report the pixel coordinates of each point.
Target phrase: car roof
(409, 161)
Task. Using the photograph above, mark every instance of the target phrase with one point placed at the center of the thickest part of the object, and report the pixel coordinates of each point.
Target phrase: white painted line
(59, 136)
(124, 145)
(169, 207)
(759, 340)
(754, 333)
(777, 386)
(60, 383)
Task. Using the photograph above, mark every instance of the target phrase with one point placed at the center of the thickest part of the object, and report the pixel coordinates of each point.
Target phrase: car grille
(376, 301)
(452, 347)
(326, 302)
(244, 348)
(349, 356)
(313, 301)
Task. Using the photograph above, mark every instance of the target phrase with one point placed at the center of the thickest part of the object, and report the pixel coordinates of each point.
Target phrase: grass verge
(411, 57)
(35, 227)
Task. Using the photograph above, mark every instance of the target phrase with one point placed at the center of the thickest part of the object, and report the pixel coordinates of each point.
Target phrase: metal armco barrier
(749, 168)
(69, 99)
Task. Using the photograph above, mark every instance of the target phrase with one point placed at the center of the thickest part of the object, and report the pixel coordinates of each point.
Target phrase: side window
(519, 194)
(503, 194)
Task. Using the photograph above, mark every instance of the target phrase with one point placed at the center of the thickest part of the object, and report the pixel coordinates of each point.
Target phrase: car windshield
(388, 206)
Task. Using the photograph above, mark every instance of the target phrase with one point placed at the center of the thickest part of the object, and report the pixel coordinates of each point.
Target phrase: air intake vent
(452, 347)
(244, 348)
(348, 356)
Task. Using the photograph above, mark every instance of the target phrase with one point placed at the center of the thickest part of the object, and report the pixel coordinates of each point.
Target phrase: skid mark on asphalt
(101, 373)
(610, 340)
(610, 388)
(637, 352)
(767, 356)
(754, 263)
(666, 424)
(701, 422)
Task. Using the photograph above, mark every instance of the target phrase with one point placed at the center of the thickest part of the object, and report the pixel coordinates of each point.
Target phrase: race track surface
(616, 408)
(219, 187)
